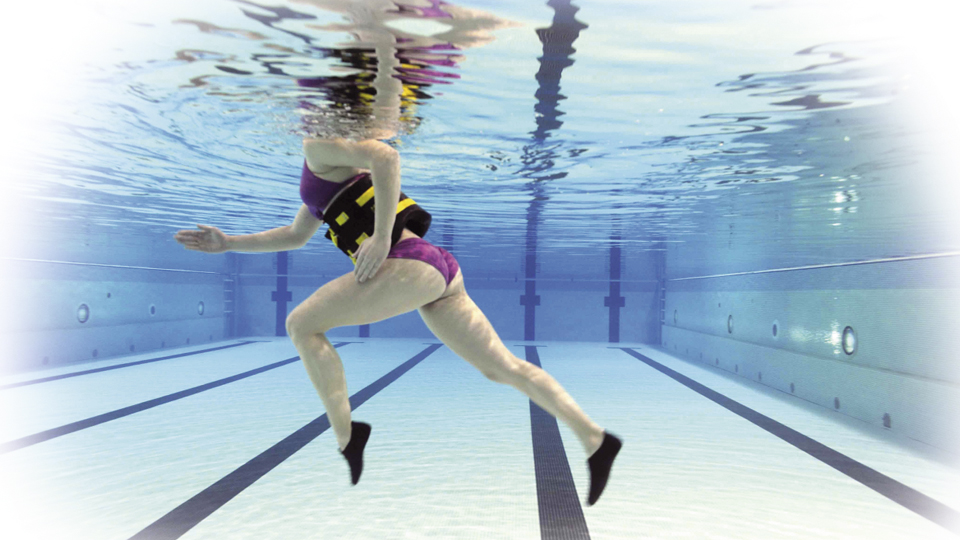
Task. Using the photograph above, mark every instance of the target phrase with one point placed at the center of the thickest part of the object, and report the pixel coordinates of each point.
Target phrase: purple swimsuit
(316, 194)
(421, 250)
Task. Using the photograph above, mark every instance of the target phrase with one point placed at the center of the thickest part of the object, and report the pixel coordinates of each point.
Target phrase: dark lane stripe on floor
(66, 429)
(901, 494)
(561, 516)
(118, 366)
(181, 519)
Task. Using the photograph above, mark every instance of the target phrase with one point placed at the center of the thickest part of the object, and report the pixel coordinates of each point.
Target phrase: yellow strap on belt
(342, 218)
(367, 195)
(404, 203)
(333, 238)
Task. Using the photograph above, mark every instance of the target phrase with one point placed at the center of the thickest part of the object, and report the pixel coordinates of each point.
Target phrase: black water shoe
(359, 434)
(600, 463)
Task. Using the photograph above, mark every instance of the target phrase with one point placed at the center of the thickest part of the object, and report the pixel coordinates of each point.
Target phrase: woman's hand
(207, 239)
(371, 254)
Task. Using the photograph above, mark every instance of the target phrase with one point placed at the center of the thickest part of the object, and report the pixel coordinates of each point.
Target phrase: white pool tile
(451, 454)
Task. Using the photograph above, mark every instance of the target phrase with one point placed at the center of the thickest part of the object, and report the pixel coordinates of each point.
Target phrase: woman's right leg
(457, 321)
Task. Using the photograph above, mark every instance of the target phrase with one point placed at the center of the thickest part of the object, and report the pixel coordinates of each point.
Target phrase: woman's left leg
(400, 285)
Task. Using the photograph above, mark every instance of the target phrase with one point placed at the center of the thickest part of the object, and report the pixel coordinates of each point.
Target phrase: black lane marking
(66, 429)
(118, 366)
(561, 516)
(899, 493)
(181, 519)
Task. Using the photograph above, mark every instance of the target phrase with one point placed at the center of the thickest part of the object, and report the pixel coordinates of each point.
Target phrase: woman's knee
(299, 324)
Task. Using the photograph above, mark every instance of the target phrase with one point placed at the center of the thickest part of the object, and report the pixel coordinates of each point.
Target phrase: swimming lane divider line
(181, 519)
(561, 515)
(118, 366)
(72, 427)
(904, 495)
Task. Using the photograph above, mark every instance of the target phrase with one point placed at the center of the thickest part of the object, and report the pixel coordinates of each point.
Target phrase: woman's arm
(289, 237)
(286, 238)
(279, 239)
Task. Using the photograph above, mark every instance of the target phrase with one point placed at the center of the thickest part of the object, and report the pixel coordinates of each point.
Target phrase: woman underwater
(396, 271)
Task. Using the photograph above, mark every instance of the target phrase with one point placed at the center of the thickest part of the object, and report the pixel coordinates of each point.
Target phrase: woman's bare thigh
(399, 286)
(460, 324)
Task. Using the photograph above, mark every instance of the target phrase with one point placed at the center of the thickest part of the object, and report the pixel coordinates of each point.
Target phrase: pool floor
(230, 440)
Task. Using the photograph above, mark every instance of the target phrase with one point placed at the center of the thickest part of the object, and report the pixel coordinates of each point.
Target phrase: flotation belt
(351, 217)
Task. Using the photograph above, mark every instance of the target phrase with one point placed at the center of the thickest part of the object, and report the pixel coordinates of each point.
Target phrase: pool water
(728, 229)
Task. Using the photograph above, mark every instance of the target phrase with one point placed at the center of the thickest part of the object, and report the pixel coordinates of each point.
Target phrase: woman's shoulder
(337, 159)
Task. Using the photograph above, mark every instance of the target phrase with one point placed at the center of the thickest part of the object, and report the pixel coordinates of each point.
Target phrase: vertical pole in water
(530, 300)
(281, 296)
(614, 301)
